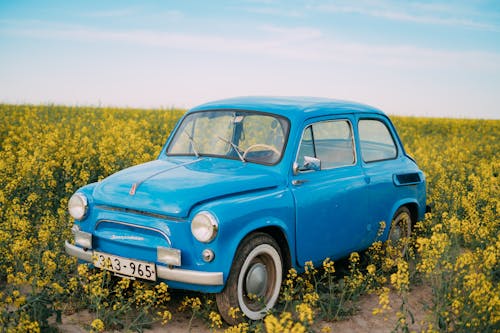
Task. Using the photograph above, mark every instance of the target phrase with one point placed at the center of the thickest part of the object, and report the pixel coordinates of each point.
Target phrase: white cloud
(416, 12)
(297, 43)
(280, 12)
(291, 34)
(122, 12)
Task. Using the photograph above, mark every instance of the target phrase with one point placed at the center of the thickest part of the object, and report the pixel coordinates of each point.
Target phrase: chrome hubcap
(399, 228)
(256, 280)
(396, 234)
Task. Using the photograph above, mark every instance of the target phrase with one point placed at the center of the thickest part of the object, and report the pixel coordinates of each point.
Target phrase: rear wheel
(254, 280)
(400, 232)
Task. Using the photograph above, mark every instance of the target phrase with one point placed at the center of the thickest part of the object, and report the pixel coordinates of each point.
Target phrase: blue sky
(425, 58)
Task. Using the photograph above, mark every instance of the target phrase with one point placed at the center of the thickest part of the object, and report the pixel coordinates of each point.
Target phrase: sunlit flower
(97, 325)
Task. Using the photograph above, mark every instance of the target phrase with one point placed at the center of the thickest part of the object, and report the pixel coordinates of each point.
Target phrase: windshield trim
(263, 113)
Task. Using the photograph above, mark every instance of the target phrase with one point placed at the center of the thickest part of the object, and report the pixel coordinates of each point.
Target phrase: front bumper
(163, 272)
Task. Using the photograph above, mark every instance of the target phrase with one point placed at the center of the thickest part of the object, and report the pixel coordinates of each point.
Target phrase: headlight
(77, 206)
(204, 227)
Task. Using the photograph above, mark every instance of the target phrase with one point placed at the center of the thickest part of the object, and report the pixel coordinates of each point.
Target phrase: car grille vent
(139, 212)
(110, 227)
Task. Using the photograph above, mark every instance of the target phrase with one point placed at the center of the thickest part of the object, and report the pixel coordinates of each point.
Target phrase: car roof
(295, 108)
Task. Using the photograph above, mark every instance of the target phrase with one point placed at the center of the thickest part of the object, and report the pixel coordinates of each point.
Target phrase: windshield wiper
(192, 142)
(235, 147)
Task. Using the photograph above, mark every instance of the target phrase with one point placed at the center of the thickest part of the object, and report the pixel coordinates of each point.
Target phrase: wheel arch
(280, 237)
(413, 208)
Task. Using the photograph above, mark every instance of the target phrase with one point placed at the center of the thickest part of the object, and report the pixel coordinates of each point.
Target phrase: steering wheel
(261, 145)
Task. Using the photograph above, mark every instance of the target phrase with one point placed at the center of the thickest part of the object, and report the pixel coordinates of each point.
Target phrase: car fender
(270, 225)
(395, 207)
(261, 210)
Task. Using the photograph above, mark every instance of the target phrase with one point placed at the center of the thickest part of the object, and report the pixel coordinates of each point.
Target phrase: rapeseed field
(47, 152)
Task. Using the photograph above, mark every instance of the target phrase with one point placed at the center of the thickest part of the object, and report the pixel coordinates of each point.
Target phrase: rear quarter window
(376, 141)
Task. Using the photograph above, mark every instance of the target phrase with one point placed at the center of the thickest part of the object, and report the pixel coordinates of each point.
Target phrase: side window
(329, 141)
(376, 141)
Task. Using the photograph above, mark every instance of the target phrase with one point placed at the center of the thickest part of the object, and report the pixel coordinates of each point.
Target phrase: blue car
(247, 188)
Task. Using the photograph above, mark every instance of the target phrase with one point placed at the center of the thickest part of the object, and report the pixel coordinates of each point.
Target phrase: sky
(419, 58)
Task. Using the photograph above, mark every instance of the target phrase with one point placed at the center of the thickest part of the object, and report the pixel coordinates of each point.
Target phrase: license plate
(124, 266)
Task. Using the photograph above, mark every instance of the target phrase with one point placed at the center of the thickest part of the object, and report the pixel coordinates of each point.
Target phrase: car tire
(257, 269)
(401, 228)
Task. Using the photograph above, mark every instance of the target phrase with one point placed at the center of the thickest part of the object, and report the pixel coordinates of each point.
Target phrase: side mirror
(312, 163)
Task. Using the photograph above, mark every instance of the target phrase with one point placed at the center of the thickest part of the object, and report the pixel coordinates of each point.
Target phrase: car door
(379, 156)
(328, 185)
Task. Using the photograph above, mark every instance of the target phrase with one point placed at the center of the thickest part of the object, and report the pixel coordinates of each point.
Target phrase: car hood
(172, 186)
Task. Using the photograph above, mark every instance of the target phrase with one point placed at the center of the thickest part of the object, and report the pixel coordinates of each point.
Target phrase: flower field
(47, 152)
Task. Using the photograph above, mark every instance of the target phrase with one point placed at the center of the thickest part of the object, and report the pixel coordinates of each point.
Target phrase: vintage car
(246, 188)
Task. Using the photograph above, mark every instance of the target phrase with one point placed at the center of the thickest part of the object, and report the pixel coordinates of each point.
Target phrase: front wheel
(254, 280)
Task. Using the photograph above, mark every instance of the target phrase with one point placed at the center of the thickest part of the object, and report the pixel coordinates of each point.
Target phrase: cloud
(134, 13)
(114, 13)
(289, 13)
(297, 44)
(416, 12)
(291, 33)
(273, 40)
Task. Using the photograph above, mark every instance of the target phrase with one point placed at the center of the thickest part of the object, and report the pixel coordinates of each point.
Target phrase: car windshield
(244, 135)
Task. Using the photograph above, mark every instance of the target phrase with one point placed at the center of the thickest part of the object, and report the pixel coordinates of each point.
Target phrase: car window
(195, 137)
(258, 129)
(234, 134)
(329, 141)
(376, 141)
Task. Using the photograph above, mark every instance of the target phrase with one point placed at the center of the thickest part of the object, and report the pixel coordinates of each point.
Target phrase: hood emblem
(134, 187)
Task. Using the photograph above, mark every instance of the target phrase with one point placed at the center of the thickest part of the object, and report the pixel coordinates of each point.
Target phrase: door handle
(297, 182)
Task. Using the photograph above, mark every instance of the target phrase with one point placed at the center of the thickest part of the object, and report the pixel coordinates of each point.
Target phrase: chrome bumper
(162, 272)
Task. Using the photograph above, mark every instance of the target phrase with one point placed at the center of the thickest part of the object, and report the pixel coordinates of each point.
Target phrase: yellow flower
(305, 313)
(284, 324)
(57, 288)
(240, 328)
(97, 325)
(123, 284)
(83, 269)
(25, 325)
(166, 316)
(381, 228)
(400, 279)
(272, 324)
(383, 301)
(326, 329)
(328, 266)
(354, 257)
(309, 268)
(215, 319)
(234, 312)
(311, 298)
(193, 303)
(47, 152)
